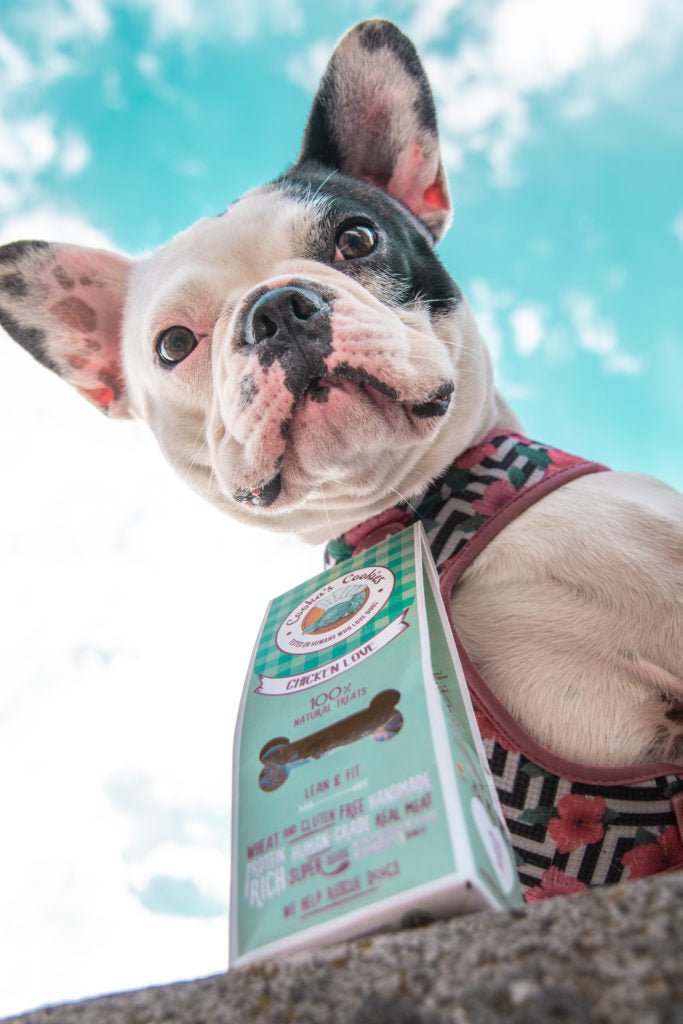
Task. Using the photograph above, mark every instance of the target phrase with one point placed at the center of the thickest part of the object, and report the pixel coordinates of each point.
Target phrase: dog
(307, 364)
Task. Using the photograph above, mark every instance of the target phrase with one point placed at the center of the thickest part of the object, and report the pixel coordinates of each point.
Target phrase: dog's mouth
(264, 495)
(374, 391)
(436, 405)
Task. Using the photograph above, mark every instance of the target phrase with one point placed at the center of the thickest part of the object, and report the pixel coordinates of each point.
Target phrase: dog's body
(305, 362)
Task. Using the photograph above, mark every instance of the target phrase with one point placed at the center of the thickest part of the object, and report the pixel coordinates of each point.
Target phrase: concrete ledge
(613, 955)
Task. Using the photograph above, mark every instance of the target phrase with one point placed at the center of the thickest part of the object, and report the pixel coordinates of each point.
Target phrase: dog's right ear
(64, 305)
(374, 118)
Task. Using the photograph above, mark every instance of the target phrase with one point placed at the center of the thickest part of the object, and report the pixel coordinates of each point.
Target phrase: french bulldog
(306, 362)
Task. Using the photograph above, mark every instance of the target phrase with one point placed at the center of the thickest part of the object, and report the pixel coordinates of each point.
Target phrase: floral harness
(572, 825)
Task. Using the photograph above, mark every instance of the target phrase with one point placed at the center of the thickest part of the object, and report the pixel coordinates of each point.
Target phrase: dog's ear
(64, 305)
(374, 118)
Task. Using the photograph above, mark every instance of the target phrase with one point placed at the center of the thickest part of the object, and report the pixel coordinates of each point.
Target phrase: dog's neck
(477, 410)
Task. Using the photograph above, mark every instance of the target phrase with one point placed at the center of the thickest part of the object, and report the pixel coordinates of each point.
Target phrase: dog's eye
(175, 344)
(354, 240)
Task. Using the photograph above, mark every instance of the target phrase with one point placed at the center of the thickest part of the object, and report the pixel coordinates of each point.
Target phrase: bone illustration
(381, 720)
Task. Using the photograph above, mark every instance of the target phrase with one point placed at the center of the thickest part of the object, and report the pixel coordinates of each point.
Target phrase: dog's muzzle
(293, 326)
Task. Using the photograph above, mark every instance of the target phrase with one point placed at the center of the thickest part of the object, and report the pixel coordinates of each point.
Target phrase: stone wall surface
(611, 956)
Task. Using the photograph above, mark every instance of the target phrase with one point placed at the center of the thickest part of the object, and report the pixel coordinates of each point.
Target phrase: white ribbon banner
(281, 686)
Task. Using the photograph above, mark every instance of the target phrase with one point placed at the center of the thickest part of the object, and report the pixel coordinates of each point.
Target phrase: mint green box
(362, 799)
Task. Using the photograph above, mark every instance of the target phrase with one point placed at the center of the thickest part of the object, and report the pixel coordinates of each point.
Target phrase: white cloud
(27, 146)
(146, 606)
(535, 45)
(624, 362)
(616, 277)
(528, 328)
(93, 15)
(515, 50)
(15, 68)
(190, 20)
(488, 304)
(148, 64)
(169, 17)
(677, 226)
(112, 87)
(53, 225)
(431, 19)
(74, 153)
(33, 144)
(191, 167)
(31, 147)
(10, 196)
(576, 108)
(306, 69)
(598, 335)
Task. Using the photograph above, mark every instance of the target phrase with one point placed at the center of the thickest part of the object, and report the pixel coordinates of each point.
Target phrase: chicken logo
(336, 611)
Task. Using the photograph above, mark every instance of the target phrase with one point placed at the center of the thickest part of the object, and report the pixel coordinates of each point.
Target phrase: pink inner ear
(435, 195)
(100, 396)
(85, 302)
(412, 169)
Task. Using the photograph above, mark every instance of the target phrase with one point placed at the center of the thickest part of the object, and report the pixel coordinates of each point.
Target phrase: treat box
(362, 799)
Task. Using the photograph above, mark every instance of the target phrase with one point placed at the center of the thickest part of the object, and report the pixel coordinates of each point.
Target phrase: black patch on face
(675, 712)
(14, 284)
(16, 251)
(404, 255)
(359, 376)
(31, 338)
(263, 495)
(437, 404)
(318, 392)
(248, 390)
(290, 325)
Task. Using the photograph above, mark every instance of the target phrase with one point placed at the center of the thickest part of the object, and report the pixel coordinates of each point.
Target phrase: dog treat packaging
(361, 796)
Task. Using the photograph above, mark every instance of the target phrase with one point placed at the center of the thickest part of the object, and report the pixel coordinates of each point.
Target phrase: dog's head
(303, 358)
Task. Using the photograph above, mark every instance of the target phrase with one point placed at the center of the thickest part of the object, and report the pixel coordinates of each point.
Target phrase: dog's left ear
(374, 118)
(64, 305)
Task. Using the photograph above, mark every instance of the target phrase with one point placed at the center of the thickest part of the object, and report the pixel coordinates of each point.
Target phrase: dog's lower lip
(437, 404)
(319, 389)
(261, 496)
(265, 494)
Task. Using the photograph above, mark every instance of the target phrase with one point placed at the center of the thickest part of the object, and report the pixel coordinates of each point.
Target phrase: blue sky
(121, 122)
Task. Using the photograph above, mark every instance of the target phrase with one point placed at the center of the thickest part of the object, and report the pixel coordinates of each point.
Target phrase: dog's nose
(286, 315)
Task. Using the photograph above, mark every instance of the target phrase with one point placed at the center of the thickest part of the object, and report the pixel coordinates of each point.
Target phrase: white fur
(574, 616)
